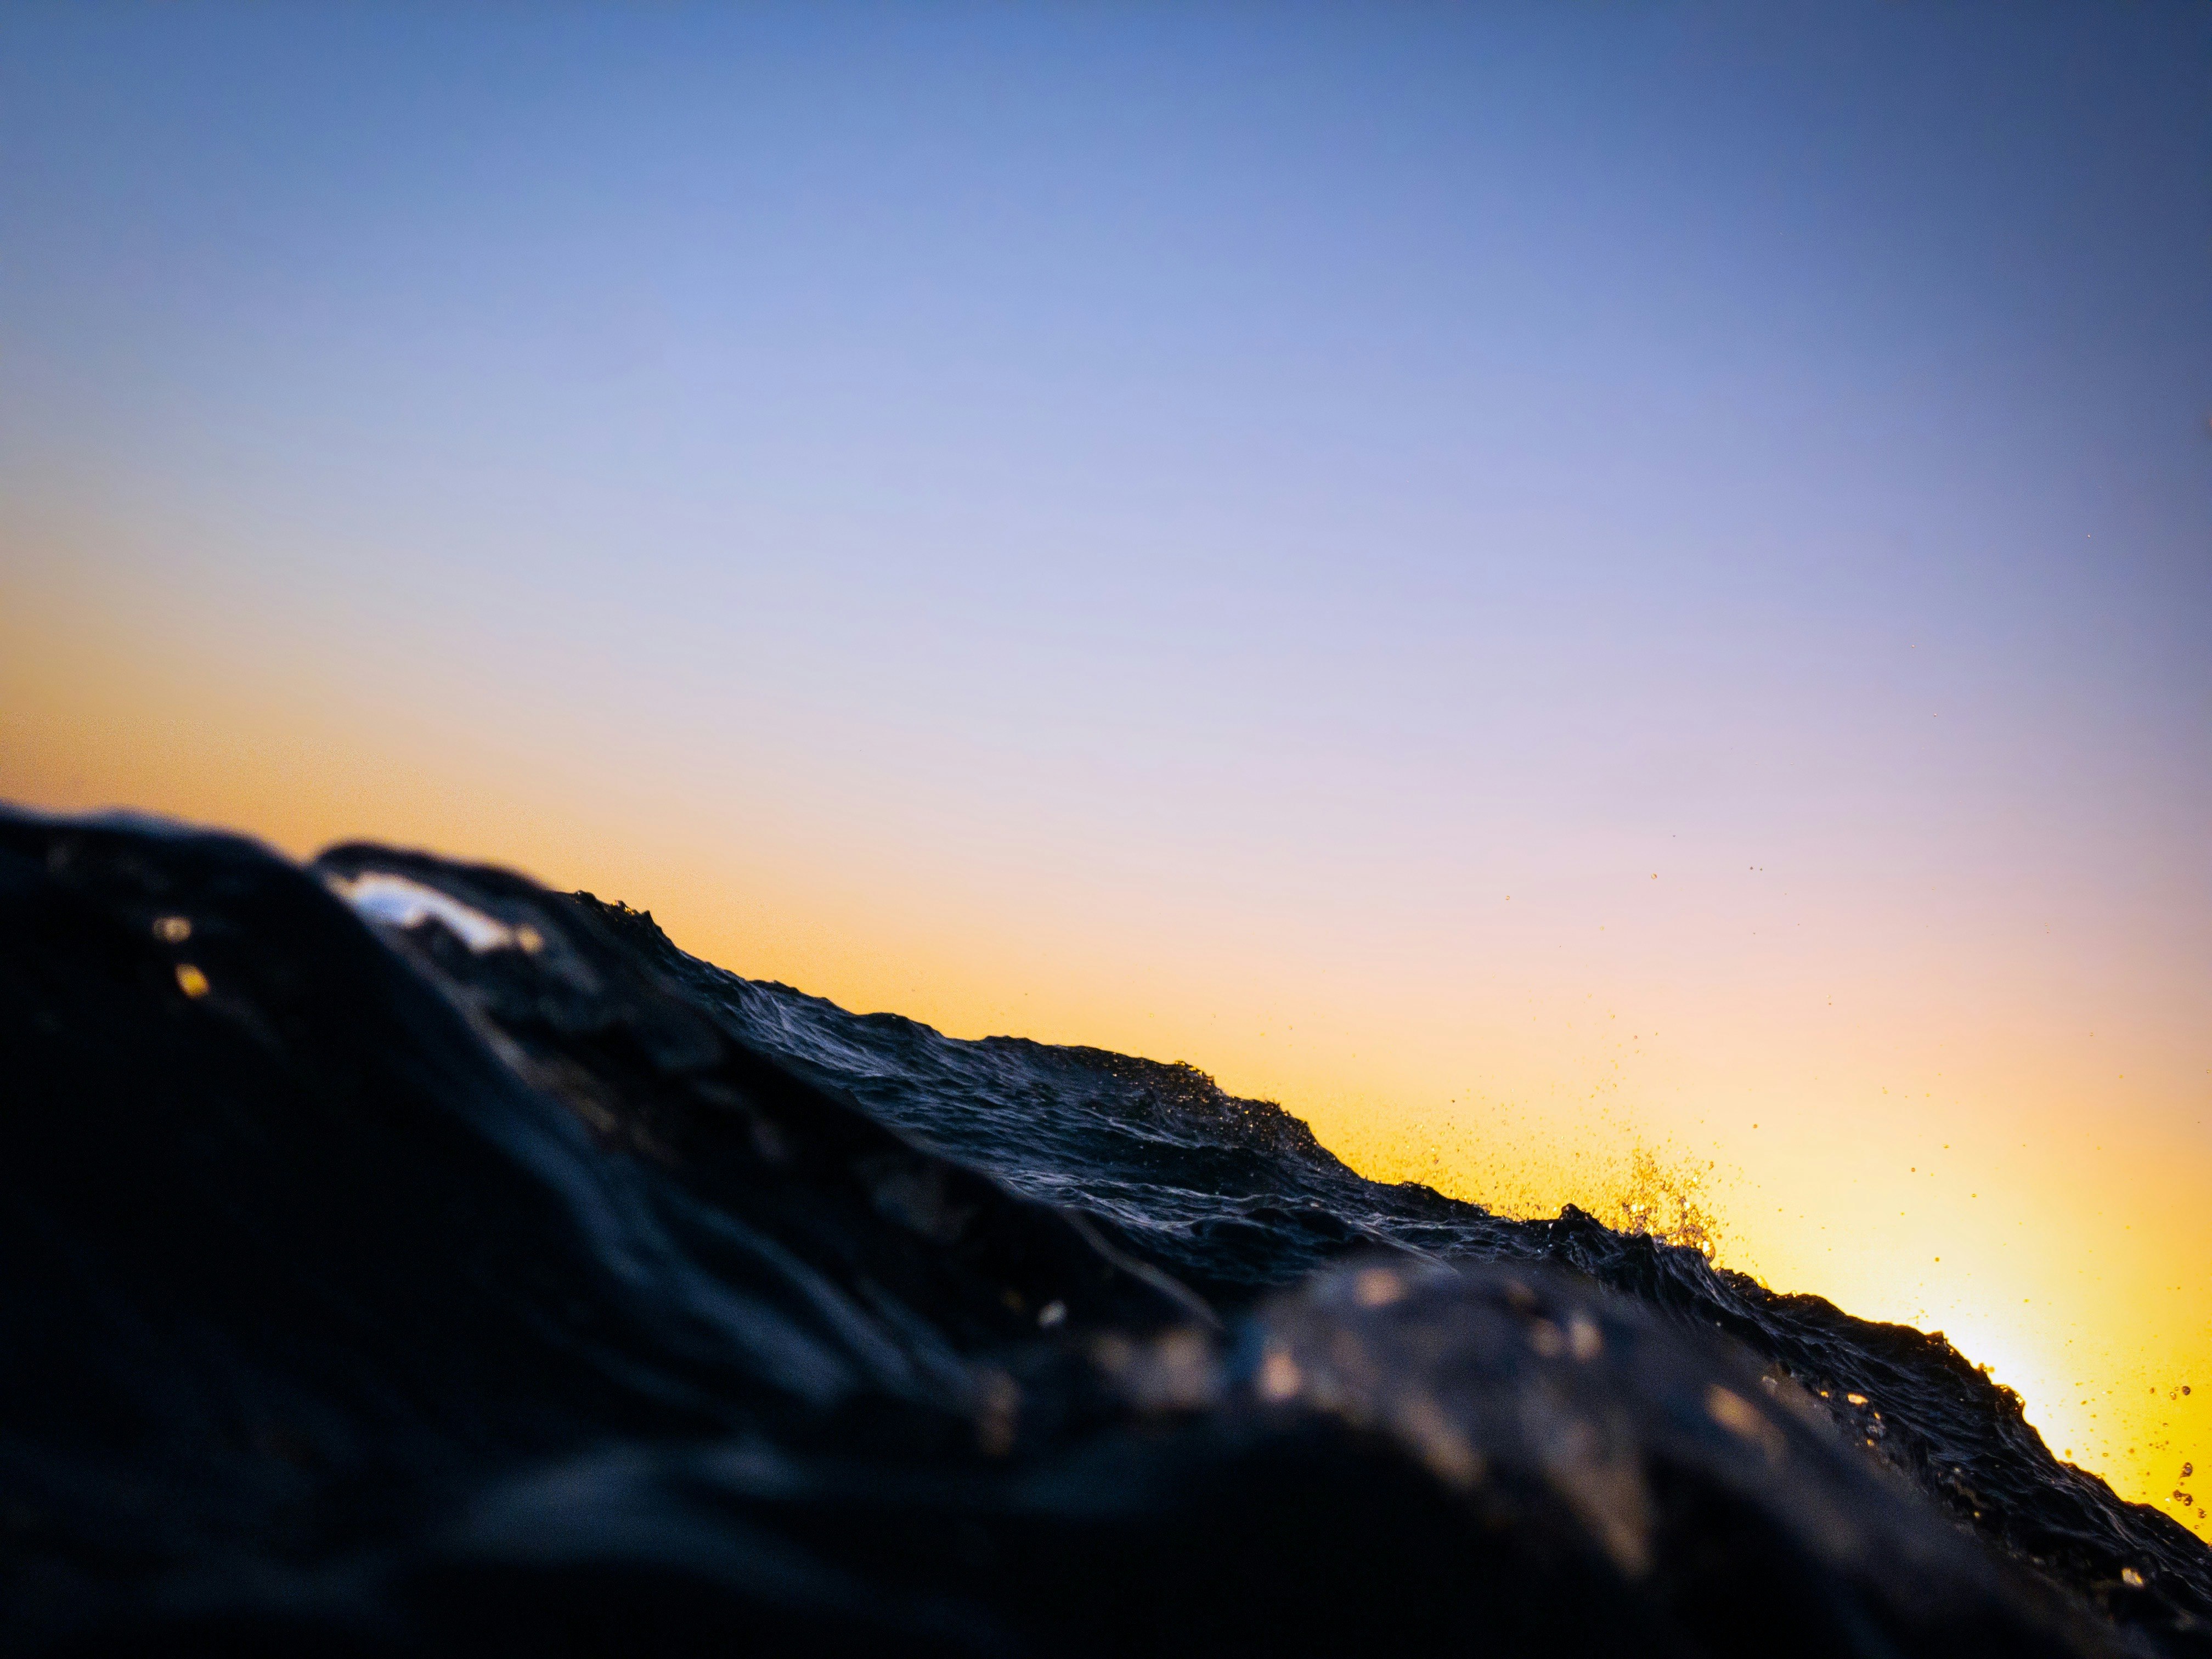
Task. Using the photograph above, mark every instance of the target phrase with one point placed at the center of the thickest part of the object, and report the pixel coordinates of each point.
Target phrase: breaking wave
(406, 1259)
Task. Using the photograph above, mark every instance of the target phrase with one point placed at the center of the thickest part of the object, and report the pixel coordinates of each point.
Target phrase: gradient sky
(1526, 580)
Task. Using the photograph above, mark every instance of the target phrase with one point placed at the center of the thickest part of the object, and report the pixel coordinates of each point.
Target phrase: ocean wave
(407, 1259)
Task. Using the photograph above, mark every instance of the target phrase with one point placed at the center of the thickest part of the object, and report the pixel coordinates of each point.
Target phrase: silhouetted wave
(403, 1259)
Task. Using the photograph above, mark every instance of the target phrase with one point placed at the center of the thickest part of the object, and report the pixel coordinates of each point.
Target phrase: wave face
(406, 1259)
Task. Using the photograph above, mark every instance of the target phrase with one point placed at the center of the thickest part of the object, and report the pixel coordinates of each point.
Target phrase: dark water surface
(403, 1259)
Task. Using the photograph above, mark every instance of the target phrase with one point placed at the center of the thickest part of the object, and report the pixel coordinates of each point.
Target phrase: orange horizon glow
(1914, 1157)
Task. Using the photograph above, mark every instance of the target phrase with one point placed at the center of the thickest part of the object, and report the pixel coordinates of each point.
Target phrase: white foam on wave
(396, 901)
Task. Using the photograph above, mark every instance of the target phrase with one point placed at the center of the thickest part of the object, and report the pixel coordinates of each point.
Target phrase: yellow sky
(1908, 1110)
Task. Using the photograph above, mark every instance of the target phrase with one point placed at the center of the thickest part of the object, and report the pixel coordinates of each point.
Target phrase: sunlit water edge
(2150, 1454)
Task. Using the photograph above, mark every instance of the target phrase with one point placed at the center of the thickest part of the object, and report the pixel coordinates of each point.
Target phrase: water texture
(404, 1258)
